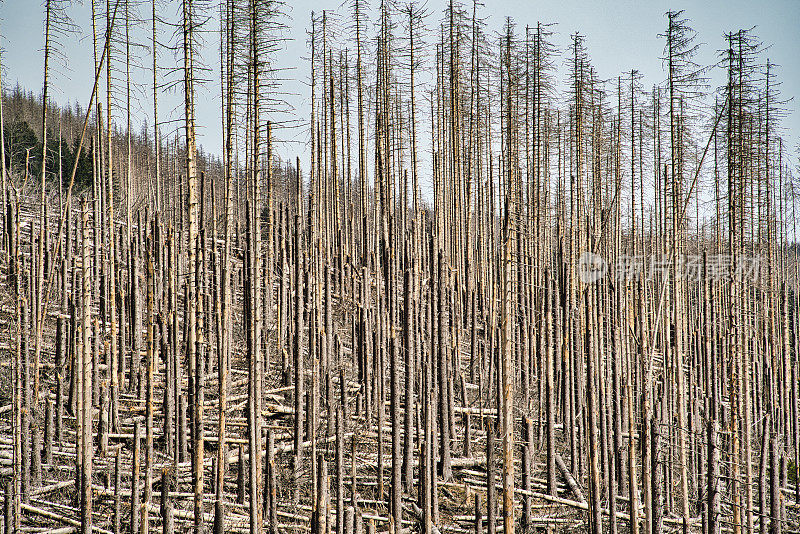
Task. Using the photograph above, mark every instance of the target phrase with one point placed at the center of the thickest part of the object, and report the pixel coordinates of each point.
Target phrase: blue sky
(620, 35)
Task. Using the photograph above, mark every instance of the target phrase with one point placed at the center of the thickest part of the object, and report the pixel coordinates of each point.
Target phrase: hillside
(590, 323)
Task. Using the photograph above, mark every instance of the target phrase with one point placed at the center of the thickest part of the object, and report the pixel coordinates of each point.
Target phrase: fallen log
(571, 482)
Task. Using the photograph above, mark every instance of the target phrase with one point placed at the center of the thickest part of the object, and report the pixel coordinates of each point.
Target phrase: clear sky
(620, 35)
